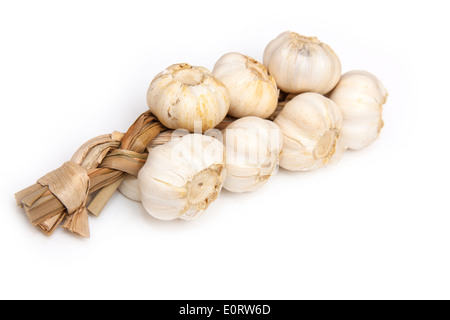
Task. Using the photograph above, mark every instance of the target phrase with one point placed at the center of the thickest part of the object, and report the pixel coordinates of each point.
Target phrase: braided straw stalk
(84, 184)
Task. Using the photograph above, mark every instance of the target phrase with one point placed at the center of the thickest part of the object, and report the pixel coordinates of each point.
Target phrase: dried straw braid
(89, 179)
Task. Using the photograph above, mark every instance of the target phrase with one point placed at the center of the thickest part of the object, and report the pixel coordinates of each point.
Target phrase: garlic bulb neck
(186, 75)
(301, 42)
(258, 69)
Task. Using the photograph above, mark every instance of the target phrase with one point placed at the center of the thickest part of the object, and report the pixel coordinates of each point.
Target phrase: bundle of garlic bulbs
(232, 128)
(323, 114)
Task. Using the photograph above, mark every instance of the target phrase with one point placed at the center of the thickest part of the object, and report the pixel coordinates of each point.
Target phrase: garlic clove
(302, 64)
(252, 153)
(360, 96)
(182, 177)
(253, 92)
(183, 94)
(311, 126)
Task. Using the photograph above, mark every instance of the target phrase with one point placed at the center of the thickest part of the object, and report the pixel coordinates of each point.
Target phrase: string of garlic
(323, 113)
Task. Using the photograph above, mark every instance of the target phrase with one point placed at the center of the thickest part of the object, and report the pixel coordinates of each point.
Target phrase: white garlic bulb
(183, 96)
(182, 177)
(130, 188)
(253, 91)
(252, 148)
(361, 96)
(302, 64)
(311, 126)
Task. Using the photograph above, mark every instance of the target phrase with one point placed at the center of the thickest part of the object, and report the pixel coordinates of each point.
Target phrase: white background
(374, 226)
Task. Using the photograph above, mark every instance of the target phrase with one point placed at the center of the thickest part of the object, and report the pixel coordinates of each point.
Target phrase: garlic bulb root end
(325, 148)
(205, 187)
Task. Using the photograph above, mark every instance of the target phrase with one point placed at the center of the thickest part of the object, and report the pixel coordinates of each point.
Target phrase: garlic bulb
(182, 177)
(302, 64)
(311, 126)
(130, 188)
(253, 91)
(361, 96)
(252, 148)
(183, 96)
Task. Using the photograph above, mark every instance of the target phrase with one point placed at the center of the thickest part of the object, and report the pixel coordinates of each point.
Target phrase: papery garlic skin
(302, 64)
(361, 97)
(182, 177)
(183, 94)
(130, 188)
(252, 148)
(311, 126)
(253, 91)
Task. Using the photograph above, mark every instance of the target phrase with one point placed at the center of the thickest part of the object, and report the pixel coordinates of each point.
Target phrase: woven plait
(69, 183)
